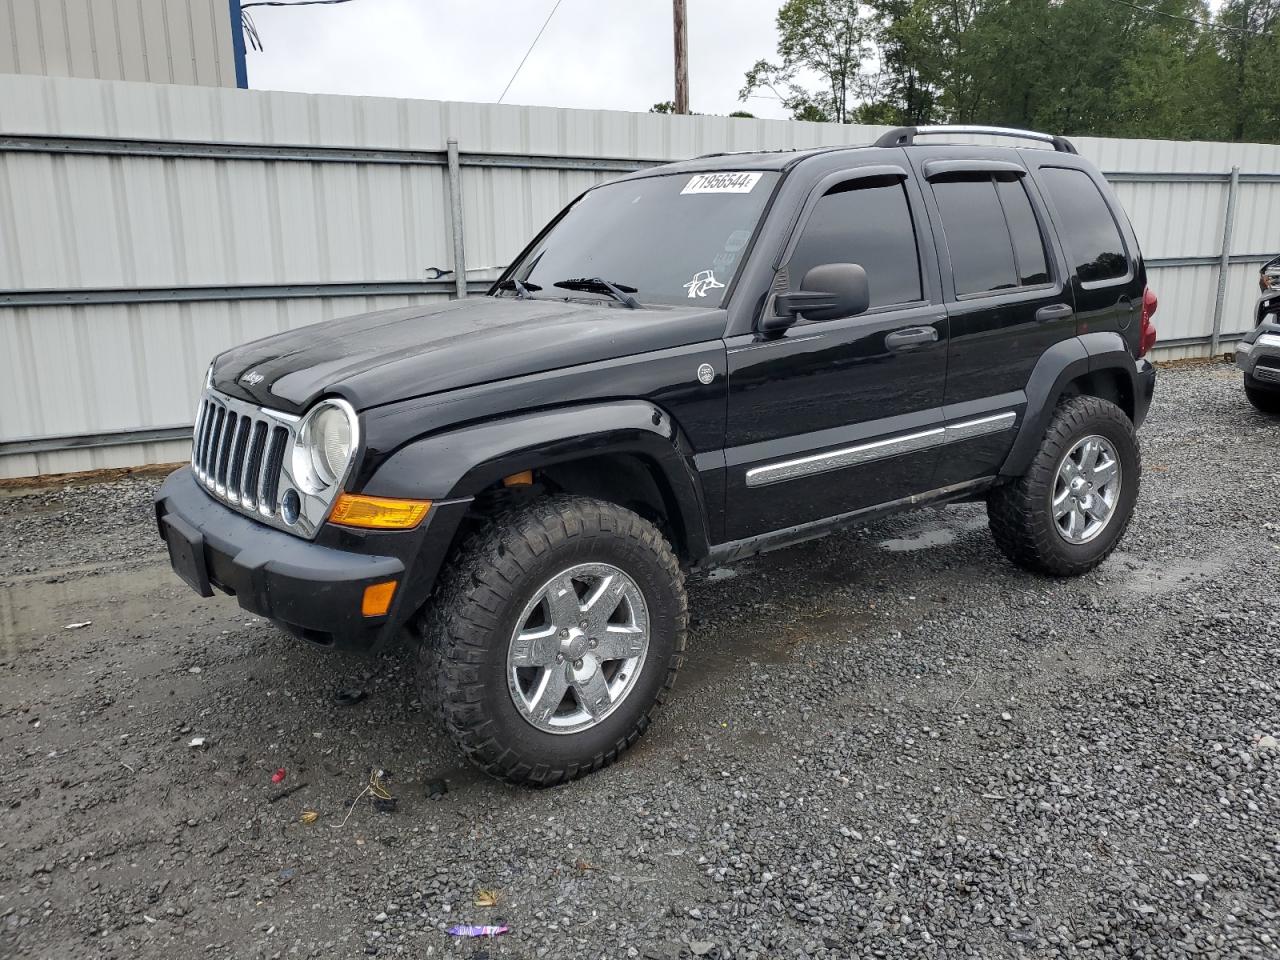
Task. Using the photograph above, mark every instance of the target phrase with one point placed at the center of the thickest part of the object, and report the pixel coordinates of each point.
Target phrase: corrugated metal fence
(160, 41)
(144, 228)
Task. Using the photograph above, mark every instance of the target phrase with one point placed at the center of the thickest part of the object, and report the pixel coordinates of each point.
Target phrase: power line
(289, 3)
(530, 50)
(250, 28)
(1199, 23)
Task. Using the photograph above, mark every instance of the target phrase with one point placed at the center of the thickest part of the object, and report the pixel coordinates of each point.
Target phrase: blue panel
(237, 45)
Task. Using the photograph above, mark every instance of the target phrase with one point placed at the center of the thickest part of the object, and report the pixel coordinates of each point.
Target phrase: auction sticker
(721, 183)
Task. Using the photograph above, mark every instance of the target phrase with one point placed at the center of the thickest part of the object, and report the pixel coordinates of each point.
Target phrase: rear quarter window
(1089, 230)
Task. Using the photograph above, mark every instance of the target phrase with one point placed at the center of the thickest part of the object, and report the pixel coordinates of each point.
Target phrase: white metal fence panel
(143, 228)
(161, 41)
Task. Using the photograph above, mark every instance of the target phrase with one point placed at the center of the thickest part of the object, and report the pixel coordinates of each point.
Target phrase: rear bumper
(1145, 389)
(312, 588)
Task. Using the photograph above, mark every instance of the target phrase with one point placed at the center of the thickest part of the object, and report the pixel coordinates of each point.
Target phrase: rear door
(1007, 302)
(1108, 278)
(833, 416)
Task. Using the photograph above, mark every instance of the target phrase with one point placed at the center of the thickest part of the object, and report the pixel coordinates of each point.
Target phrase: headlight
(324, 444)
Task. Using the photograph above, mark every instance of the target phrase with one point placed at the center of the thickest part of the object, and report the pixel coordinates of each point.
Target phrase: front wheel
(1266, 401)
(1066, 514)
(556, 634)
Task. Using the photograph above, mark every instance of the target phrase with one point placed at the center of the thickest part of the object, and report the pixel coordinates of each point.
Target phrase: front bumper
(1258, 355)
(312, 588)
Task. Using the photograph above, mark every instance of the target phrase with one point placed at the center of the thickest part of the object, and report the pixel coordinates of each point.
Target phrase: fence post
(455, 208)
(1224, 259)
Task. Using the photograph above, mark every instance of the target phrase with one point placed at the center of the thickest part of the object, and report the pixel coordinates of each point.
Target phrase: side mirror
(827, 292)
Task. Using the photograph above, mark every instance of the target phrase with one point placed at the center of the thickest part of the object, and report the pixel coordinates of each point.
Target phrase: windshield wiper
(521, 288)
(619, 291)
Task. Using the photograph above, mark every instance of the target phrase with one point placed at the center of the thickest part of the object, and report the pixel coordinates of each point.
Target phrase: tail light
(1147, 338)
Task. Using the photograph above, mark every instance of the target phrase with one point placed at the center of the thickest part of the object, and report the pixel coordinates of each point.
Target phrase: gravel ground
(887, 743)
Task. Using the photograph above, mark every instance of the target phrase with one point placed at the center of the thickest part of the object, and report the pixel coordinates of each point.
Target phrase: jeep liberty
(690, 364)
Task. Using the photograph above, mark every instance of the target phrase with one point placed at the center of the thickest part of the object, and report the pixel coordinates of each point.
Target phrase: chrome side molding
(879, 449)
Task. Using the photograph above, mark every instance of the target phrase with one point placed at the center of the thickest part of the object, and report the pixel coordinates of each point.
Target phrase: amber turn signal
(378, 513)
(377, 598)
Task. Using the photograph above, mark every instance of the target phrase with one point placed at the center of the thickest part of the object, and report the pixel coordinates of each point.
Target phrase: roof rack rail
(734, 153)
(905, 136)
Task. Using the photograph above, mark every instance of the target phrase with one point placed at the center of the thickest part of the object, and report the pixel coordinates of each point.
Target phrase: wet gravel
(887, 743)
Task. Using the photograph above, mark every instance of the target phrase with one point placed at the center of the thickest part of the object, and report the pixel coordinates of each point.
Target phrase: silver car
(1258, 354)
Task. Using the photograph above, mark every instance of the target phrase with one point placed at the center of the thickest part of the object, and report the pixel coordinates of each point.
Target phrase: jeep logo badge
(252, 378)
(706, 373)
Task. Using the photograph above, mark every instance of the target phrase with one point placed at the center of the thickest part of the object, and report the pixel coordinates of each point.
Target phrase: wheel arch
(1094, 364)
(631, 453)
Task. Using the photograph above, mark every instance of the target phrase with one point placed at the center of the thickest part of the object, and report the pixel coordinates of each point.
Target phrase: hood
(378, 358)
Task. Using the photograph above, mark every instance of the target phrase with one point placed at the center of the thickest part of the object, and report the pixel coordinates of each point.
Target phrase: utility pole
(682, 57)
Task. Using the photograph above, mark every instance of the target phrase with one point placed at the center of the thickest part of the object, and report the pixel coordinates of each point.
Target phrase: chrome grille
(238, 453)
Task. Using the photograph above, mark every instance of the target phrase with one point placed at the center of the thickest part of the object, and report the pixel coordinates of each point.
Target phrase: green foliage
(1173, 69)
(828, 38)
(669, 106)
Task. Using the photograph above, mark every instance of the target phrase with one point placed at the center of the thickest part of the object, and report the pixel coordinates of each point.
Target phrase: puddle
(33, 609)
(933, 535)
(920, 541)
(722, 573)
(1155, 580)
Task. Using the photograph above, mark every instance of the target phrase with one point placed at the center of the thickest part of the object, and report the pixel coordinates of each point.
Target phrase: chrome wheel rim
(1086, 489)
(578, 648)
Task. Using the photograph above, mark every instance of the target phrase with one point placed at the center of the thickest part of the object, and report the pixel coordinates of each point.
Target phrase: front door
(830, 417)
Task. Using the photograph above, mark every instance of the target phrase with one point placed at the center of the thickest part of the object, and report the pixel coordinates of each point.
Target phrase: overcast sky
(602, 54)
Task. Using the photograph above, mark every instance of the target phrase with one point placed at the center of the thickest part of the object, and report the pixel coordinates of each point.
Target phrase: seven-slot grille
(238, 452)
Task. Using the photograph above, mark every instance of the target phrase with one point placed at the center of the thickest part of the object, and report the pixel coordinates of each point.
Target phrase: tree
(1248, 69)
(1169, 69)
(912, 52)
(828, 38)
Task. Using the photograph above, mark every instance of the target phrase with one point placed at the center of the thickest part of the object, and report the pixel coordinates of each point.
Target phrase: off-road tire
(467, 628)
(1266, 401)
(1020, 515)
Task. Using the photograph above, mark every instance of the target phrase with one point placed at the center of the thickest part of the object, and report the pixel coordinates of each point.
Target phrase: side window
(977, 236)
(1089, 231)
(1028, 244)
(866, 222)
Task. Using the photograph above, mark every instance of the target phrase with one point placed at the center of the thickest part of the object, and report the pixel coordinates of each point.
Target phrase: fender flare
(459, 463)
(1064, 362)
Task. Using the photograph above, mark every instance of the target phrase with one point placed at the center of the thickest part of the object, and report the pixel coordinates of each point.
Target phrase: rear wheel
(1066, 514)
(1267, 401)
(556, 634)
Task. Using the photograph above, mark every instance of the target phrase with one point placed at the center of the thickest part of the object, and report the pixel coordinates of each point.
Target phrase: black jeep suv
(688, 365)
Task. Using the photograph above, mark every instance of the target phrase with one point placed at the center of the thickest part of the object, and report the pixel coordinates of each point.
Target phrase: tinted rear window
(977, 236)
(1028, 245)
(1089, 231)
(868, 223)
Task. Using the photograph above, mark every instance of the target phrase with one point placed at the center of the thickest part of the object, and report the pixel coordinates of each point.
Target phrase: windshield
(673, 239)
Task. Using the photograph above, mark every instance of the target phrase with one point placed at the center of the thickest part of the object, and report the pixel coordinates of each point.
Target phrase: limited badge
(706, 373)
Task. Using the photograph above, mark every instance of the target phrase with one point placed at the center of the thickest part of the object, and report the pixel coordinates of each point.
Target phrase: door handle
(1055, 311)
(910, 338)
